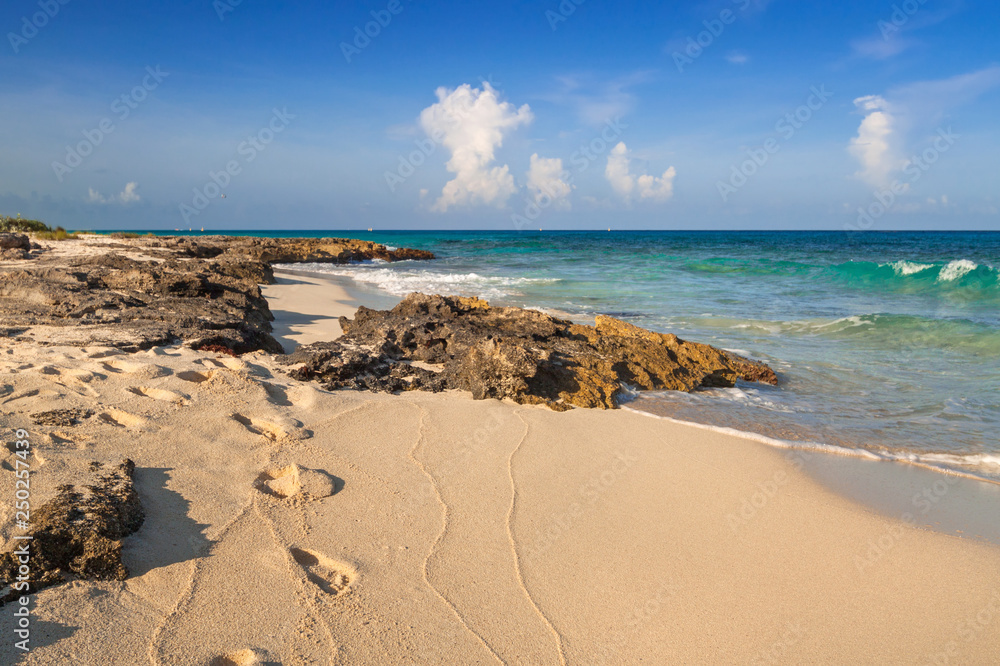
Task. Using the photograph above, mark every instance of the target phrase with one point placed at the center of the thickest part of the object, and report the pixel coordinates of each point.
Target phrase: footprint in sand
(228, 362)
(239, 365)
(304, 395)
(25, 394)
(63, 439)
(332, 577)
(102, 352)
(139, 370)
(248, 657)
(276, 395)
(36, 453)
(78, 378)
(118, 418)
(161, 394)
(85, 376)
(280, 428)
(295, 481)
(195, 377)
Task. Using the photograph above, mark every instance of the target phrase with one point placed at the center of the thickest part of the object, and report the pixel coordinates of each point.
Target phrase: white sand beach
(288, 524)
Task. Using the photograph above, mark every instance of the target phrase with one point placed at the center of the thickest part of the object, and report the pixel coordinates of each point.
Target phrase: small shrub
(18, 224)
(59, 234)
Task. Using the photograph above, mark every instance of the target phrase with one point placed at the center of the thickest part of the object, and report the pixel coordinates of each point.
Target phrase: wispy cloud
(892, 34)
(594, 101)
(932, 98)
(878, 48)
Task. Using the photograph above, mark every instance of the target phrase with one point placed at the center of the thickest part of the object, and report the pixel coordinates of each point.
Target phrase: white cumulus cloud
(545, 178)
(874, 146)
(624, 183)
(901, 123)
(126, 196)
(471, 123)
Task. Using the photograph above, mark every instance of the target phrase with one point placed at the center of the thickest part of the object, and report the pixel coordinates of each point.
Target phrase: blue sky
(726, 114)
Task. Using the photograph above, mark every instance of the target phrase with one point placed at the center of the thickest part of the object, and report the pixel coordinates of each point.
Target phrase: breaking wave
(402, 281)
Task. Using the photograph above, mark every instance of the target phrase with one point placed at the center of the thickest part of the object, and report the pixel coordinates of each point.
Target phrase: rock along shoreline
(204, 292)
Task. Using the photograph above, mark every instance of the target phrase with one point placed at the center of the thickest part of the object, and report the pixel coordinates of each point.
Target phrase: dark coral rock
(14, 241)
(79, 532)
(61, 417)
(138, 293)
(524, 355)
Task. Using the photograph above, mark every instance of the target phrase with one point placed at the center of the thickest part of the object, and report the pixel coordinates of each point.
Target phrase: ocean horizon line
(549, 231)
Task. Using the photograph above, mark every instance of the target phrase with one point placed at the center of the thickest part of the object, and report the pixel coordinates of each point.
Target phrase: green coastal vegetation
(37, 228)
(19, 224)
(42, 231)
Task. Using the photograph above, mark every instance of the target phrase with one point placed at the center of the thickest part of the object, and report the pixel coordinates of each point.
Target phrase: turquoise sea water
(886, 343)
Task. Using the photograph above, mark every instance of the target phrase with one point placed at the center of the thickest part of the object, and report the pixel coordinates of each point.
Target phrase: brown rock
(525, 355)
(61, 417)
(14, 241)
(203, 292)
(80, 531)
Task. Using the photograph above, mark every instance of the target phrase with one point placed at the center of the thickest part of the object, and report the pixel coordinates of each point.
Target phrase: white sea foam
(956, 269)
(843, 323)
(966, 460)
(908, 267)
(979, 466)
(401, 282)
(770, 441)
(741, 396)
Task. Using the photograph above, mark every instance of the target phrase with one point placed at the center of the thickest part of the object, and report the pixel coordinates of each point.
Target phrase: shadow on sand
(168, 535)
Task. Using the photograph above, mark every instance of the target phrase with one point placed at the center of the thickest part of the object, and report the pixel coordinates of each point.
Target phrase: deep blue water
(885, 342)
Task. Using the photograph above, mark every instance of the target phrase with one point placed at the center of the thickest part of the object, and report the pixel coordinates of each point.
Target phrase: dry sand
(307, 307)
(461, 532)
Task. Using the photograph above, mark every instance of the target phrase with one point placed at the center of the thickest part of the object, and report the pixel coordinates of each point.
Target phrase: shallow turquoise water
(885, 342)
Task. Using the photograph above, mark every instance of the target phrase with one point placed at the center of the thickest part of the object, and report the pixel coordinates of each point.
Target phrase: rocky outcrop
(79, 532)
(440, 342)
(138, 293)
(130, 304)
(242, 249)
(62, 417)
(13, 241)
(14, 246)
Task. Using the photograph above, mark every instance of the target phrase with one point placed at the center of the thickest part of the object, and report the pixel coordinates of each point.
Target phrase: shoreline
(309, 312)
(288, 523)
(853, 476)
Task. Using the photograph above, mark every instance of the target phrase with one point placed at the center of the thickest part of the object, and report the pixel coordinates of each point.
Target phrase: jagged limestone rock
(504, 352)
(79, 532)
(138, 293)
